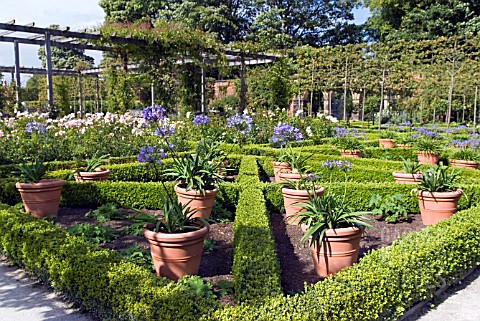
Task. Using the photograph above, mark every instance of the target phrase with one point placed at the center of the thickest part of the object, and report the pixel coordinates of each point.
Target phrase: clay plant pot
(280, 167)
(437, 206)
(42, 199)
(464, 164)
(404, 178)
(428, 158)
(197, 201)
(351, 153)
(339, 250)
(290, 176)
(175, 255)
(98, 174)
(386, 143)
(291, 197)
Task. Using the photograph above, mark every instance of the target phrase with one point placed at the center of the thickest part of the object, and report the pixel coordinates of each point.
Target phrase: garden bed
(295, 260)
(216, 264)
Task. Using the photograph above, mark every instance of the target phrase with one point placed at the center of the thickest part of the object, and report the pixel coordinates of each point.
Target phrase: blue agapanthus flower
(200, 120)
(35, 127)
(164, 131)
(285, 133)
(240, 122)
(153, 113)
(151, 155)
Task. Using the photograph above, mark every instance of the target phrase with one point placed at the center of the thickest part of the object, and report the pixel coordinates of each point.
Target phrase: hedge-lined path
(458, 303)
(24, 299)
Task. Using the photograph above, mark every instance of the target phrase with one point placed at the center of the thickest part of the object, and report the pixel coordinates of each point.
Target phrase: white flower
(309, 132)
(188, 114)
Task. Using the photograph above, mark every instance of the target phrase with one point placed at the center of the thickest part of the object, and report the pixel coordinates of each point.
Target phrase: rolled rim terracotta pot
(291, 197)
(196, 201)
(463, 163)
(42, 199)
(177, 254)
(428, 158)
(339, 250)
(99, 174)
(351, 153)
(279, 167)
(290, 176)
(386, 143)
(437, 206)
(404, 178)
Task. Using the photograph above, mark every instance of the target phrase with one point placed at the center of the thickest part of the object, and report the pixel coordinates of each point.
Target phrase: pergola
(64, 38)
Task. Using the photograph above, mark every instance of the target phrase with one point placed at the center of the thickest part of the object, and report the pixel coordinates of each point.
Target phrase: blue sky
(81, 14)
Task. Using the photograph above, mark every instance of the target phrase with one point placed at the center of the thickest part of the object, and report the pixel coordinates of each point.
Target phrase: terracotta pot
(175, 255)
(437, 206)
(339, 250)
(428, 158)
(280, 167)
(197, 201)
(290, 176)
(41, 199)
(351, 153)
(402, 146)
(403, 178)
(464, 164)
(386, 143)
(291, 197)
(99, 174)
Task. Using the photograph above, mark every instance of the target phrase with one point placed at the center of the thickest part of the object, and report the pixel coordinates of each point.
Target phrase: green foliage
(439, 179)
(106, 212)
(32, 173)
(426, 145)
(467, 154)
(325, 212)
(389, 207)
(348, 143)
(226, 287)
(97, 234)
(137, 256)
(95, 162)
(410, 167)
(208, 245)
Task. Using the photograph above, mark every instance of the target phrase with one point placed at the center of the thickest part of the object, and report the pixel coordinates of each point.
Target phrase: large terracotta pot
(403, 178)
(291, 197)
(464, 164)
(43, 198)
(339, 250)
(197, 201)
(290, 176)
(178, 254)
(351, 153)
(437, 206)
(99, 174)
(428, 158)
(280, 167)
(386, 143)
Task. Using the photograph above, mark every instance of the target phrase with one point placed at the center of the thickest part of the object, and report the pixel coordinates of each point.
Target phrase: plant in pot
(297, 163)
(427, 146)
(438, 194)
(387, 139)
(283, 136)
(209, 148)
(465, 158)
(333, 231)
(91, 171)
(348, 142)
(404, 141)
(198, 179)
(176, 238)
(410, 174)
(40, 197)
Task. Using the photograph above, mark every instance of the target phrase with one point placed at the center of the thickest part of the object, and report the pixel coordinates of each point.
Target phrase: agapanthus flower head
(150, 154)
(340, 132)
(153, 113)
(164, 131)
(35, 127)
(311, 177)
(285, 133)
(407, 123)
(200, 120)
(240, 122)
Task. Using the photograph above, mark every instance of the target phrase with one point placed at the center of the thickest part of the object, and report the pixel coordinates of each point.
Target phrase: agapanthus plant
(242, 125)
(284, 134)
(35, 127)
(200, 120)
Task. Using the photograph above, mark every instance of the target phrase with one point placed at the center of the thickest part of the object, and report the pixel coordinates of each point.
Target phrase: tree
(130, 10)
(423, 19)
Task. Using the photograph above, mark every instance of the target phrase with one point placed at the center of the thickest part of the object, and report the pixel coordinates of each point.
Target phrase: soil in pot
(202, 204)
(436, 206)
(41, 199)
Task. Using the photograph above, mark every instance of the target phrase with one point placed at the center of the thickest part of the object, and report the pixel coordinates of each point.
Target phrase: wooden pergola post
(242, 84)
(17, 75)
(48, 56)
